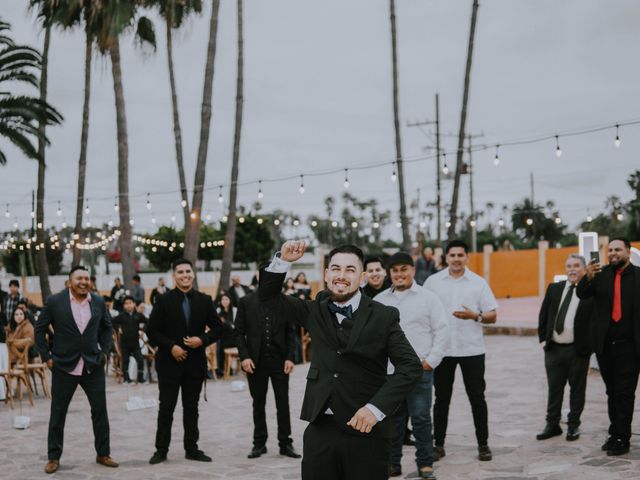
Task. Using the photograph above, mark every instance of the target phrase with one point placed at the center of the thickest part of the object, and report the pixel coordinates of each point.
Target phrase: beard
(619, 264)
(342, 297)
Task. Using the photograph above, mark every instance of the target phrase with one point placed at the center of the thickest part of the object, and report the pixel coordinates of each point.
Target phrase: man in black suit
(265, 338)
(83, 335)
(564, 327)
(129, 324)
(237, 290)
(615, 289)
(349, 397)
(177, 326)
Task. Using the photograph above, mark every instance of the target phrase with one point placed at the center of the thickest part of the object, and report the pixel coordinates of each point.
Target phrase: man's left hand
(466, 314)
(288, 366)
(192, 342)
(363, 421)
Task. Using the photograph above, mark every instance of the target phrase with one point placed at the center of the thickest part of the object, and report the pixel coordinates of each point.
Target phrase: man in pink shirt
(82, 336)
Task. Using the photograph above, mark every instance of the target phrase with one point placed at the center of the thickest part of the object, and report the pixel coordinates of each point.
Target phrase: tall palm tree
(404, 221)
(463, 119)
(230, 234)
(192, 228)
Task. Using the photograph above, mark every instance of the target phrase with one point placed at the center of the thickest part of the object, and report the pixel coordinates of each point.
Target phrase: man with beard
(615, 289)
(348, 397)
(376, 277)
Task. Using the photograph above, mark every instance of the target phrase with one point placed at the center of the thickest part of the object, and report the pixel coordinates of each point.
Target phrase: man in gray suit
(82, 337)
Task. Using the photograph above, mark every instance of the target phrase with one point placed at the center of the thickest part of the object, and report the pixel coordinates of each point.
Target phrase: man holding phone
(615, 289)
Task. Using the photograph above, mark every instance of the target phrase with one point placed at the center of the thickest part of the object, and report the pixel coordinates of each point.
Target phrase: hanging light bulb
(558, 220)
(620, 217)
(183, 203)
(87, 210)
(260, 194)
(115, 205)
(301, 189)
(346, 178)
(59, 212)
(529, 221)
(7, 213)
(173, 218)
(220, 198)
(558, 150)
(501, 222)
(496, 160)
(148, 201)
(394, 177)
(589, 217)
(153, 220)
(132, 222)
(64, 224)
(33, 214)
(617, 141)
(445, 168)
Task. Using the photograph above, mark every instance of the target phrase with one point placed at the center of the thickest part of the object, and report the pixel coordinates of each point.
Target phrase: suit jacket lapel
(68, 313)
(95, 312)
(360, 318)
(555, 302)
(328, 322)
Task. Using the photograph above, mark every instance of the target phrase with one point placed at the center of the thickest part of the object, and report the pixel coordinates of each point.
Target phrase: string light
(7, 213)
(301, 189)
(496, 160)
(148, 201)
(220, 197)
(59, 212)
(620, 217)
(472, 223)
(354, 224)
(276, 222)
(558, 220)
(394, 177)
(617, 141)
(260, 194)
(558, 150)
(33, 214)
(314, 223)
(334, 224)
(173, 218)
(183, 203)
(445, 168)
(589, 217)
(501, 222)
(346, 178)
(529, 221)
(87, 210)
(115, 205)
(376, 225)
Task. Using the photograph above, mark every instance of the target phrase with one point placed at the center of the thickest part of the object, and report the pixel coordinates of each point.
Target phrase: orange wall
(555, 260)
(514, 274)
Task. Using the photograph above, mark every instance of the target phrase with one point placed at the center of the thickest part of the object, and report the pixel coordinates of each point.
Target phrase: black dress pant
(619, 369)
(170, 387)
(63, 386)
(136, 353)
(563, 365)
(270, 368)
(331, 452)
(473, 376)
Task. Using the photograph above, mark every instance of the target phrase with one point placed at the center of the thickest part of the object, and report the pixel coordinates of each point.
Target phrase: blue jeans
(418, 407)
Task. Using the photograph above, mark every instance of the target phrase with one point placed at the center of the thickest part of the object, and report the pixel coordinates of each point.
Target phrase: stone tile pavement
(516, 390)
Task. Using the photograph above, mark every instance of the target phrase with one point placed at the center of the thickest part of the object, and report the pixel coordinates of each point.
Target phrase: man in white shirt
(423, 321)
(469, 303)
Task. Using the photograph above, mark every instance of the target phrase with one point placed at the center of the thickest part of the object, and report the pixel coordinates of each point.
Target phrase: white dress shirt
(422, 320)
(567, 334)
(471, 291)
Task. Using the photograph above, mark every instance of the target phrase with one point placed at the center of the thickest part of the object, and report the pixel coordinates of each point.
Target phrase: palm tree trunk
(230, 234)
(41, 252)
(126, 246)
(84, 138)
(192, 229)
(406, 239)
(177, 131)
(451, 232)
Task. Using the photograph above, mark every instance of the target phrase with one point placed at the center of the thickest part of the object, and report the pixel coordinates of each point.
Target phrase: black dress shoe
(607, 444)
(257, 451)
(438, 453)
(617, 447)
(395, 470)
(157, 457)
(573, 433)
(289, 451)
(550, 430)
(484, 453)
(198, 456)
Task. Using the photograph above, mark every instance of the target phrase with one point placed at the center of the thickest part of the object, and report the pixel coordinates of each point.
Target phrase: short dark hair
(369, 260)
(350, 249)
(128, 297)
(624, 240)
(456, 243)
(75, 268)
(14, 283)
(180, 261)
(136, 278)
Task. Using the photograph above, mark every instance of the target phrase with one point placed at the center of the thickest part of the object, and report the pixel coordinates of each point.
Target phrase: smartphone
(595, 257)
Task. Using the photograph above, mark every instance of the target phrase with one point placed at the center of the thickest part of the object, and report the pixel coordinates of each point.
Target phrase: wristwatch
(479, 318)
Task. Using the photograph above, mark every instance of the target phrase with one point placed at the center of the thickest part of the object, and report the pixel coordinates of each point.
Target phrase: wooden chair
(116, 358)
(212, 358)
(306, 344)
(229, 355)
(8, 382)
(18, 361)
(37, 367)
(148, 358)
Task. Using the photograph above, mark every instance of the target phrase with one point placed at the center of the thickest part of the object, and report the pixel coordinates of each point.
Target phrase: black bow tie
(344, 311)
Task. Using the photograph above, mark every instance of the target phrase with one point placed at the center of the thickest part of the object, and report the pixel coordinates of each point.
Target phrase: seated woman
(23, 334)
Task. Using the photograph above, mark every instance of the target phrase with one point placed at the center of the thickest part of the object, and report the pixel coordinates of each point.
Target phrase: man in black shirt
(616, 292)
(129, 323)
(377, 280)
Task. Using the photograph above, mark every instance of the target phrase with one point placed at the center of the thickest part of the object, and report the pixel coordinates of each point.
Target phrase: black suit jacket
(68, 343)
(234, 296)
(356, 375)
(581, 326)
(601, 289)
(167, 327)
(249, 326)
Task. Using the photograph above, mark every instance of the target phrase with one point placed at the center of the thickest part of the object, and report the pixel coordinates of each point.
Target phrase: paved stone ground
(516, 396)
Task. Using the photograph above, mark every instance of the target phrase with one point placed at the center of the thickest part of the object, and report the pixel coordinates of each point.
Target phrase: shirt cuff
(278, 265)
(376, 412)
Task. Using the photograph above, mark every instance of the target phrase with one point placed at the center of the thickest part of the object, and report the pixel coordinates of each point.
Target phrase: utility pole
(472, 221)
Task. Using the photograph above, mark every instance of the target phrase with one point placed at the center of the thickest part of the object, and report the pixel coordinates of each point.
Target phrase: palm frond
(20, 141)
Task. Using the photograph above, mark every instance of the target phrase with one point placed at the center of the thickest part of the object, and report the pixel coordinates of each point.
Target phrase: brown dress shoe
(51, 466)
(107, 461)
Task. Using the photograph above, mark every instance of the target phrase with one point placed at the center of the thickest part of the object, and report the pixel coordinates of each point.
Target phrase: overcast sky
(318, 97)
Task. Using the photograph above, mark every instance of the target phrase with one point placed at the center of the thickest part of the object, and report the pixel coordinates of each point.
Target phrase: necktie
(344, 311)
(616, 312)
(562, 313)
(186, 309)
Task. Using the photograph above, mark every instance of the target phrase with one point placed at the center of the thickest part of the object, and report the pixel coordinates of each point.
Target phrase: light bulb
(296, 222)
(394, 177)
(276, 222)
(472, 223)
(354, 224)
(376, 225)
(529, 221)
(346, 183)
(173, 218)
(59, 212)
(617, 140)
(496, 160)
(558, 220)
(33, 214)
(183, 203)
(314, 223)
(589, 218)
(445, 169)
(558, 151)
(259, 221)
(220, 199)
(334, 224)
(260, 194)
(301, 189)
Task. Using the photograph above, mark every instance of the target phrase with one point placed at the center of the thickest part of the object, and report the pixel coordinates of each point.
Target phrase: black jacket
(130, 326)
(601, 289)
(233, 295)
(249, 326)
(68, 343)
(582, 325)
(356, 375)
(167, 327)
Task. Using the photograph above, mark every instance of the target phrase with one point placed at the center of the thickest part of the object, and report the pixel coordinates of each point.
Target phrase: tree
(230, 235)
(634, 206)
(192, 228)
(404, 221)
(531, 224)
(451, 232)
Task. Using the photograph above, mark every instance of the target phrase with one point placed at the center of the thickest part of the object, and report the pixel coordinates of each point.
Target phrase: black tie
(344, 311)
(186, 309)
(562, 313)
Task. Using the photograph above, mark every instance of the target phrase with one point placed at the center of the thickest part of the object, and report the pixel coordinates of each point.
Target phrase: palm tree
(192, 229)
(174, 12)
(451, 232)
(110, 19)
(230, 234)
(404, 222)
